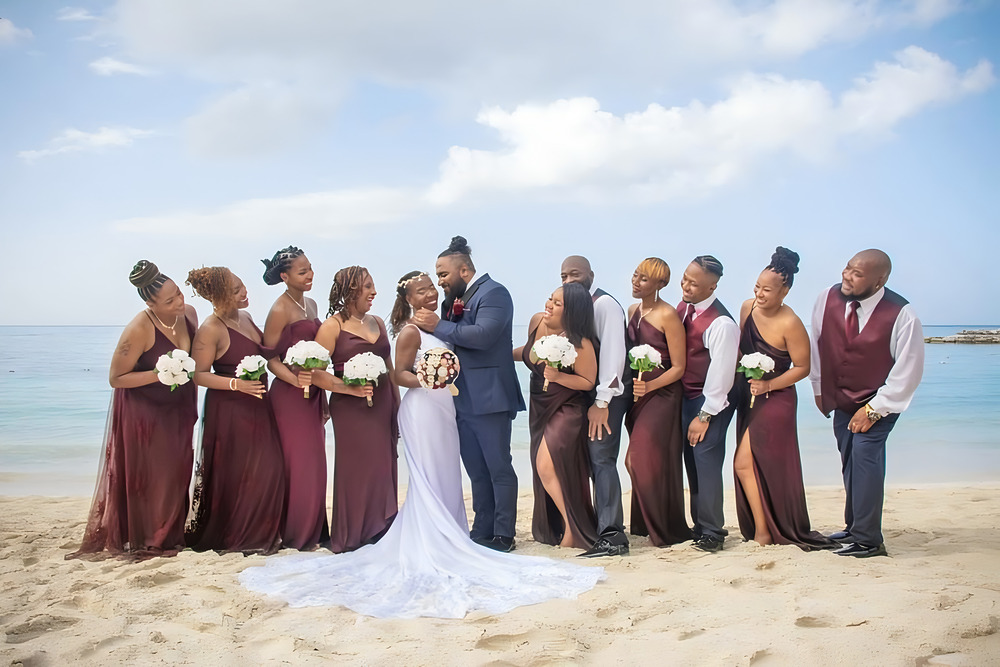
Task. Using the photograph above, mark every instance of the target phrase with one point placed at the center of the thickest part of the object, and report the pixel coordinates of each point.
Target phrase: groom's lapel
(467, 297)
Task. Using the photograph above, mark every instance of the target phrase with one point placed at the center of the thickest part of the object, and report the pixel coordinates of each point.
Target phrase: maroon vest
(852, 371)
(698, 357)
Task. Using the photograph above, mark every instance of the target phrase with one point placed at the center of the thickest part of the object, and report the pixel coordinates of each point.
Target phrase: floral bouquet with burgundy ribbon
(642, 359)
(307, 355)
(438, 368)
(754, 366)
(556, 351)
(175, 368)
(363, 368)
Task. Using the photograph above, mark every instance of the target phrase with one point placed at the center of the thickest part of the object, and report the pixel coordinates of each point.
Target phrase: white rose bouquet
(643, 358)
(253, 367)
(556, 351)
(307, 354)
(175, 368)
(753, 366)
(363, 368)
(438, 369)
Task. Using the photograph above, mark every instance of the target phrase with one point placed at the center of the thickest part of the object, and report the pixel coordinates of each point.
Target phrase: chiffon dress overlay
(302, 431)
(239, 489)
(141, 498)
(364, 473)
(560, 416)
(656, 449)
(774, 444)
(425, 565)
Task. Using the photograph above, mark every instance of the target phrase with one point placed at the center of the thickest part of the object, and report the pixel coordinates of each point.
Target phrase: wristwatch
(872, 415)
(601, 405)
(704, 417)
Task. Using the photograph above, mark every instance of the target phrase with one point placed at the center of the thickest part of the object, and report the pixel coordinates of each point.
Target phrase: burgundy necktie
(852, 326)
(689, 315)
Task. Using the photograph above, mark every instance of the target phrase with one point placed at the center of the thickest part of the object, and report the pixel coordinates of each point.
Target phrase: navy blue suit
(488, 399)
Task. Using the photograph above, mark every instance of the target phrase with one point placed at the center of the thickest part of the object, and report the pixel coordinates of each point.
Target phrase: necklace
(358, 319)
(304, 310)
(171, 327)
(235, 323)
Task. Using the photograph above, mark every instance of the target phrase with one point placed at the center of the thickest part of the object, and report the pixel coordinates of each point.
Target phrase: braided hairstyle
(401, 309)
(785, 263)
(346, 286)
(709, 264)
(147, 279)
(215, 284)
(280, 263)
(460, 250)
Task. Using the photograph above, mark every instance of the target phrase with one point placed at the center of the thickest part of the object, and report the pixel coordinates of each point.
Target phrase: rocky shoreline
(969, 336)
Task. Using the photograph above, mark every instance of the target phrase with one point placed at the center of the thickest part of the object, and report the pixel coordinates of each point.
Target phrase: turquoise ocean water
(54, 397)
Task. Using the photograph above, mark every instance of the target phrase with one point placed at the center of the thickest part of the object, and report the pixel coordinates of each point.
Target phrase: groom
(476, 317)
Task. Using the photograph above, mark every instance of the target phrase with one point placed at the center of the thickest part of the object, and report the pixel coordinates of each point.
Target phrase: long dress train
(656, 449)
(301, 426)
(560, 416)
(425, 565)
(364, 472)
(240, 489)
(141, 499)
(774, 444)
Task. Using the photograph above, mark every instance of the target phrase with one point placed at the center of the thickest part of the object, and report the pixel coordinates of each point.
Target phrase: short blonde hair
(656, 269)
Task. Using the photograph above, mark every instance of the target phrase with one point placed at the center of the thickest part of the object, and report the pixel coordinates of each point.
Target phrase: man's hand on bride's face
(426, 319)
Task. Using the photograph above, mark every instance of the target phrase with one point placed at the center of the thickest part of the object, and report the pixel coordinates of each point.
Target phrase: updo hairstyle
(280, 263)
(785, 263)
(459, 249)
(215, 284)
(345, 289)
(147, 279)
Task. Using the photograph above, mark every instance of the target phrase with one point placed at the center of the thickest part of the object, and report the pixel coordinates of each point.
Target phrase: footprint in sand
(812, 622)
(36, 627)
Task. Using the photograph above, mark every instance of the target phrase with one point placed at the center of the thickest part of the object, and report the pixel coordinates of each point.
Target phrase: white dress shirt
(609, 319)
(722, 338)
(906, 346)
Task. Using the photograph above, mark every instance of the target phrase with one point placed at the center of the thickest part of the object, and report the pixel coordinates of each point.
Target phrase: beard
(456, 290)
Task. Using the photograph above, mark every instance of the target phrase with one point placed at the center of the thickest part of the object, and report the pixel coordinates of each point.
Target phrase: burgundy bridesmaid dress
(240, 489)
(656, 449)
(560, 416)
(141, 500)
(301, 426)
(774, 444)
(364, 475)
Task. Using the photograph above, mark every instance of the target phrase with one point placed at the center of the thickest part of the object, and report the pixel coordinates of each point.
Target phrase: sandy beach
(934, 601)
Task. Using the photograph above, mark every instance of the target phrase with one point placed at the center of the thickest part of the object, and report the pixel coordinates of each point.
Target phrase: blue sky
(213, 132)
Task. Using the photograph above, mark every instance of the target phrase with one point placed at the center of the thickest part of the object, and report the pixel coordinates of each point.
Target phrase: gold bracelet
(232, 384)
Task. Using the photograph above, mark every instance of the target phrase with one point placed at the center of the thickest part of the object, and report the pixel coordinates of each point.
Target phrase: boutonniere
(457, 308)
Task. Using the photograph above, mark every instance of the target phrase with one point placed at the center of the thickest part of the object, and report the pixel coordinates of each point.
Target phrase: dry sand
(934, 601)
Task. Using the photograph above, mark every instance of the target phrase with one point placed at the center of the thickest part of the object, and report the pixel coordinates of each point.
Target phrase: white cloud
(108, 66)
(74, 141)
(75, 14)
(475, 53)
(572, 150)
(11, 34)
(330, 214)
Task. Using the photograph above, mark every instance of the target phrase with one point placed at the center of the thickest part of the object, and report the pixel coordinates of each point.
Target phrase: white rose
(162, 363)
(767, 363)
(165, 378)
(188, 365)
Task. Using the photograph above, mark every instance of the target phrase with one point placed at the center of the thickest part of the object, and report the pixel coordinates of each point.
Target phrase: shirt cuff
(606, 395)
(878, 406)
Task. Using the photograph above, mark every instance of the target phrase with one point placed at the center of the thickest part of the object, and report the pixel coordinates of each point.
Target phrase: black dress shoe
(483, 540)
(612, 543)
(708, 543)
(500, 543)
(842, 536)
(861, 551)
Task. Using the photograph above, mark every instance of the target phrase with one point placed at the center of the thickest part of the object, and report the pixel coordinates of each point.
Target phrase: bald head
(866, 273)
(576, 269)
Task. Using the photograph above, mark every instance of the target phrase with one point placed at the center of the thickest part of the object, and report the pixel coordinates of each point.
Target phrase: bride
(426, 564)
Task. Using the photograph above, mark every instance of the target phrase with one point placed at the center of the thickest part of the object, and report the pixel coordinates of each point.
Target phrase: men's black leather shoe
(483, 540)
(709, 544)
(606, 546)
(842, 536)
(861, 551)
(500, 543)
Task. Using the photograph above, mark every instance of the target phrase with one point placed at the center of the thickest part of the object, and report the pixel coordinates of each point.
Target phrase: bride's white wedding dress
(425, 565)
